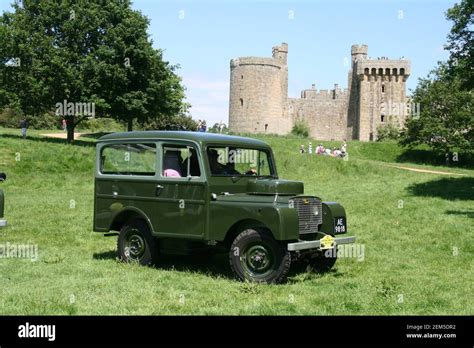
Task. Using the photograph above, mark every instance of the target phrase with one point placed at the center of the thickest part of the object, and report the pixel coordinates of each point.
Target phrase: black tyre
(136, 243)
(321, 262)
(256, 256)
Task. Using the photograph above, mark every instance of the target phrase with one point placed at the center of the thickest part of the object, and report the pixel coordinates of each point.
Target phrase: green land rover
(190, 192)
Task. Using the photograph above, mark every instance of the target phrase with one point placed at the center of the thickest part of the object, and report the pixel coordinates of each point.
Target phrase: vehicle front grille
(310, 213)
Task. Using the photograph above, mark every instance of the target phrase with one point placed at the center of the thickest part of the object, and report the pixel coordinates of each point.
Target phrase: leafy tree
(216, 128)
(446, 118)
(461, 42)
(96, 52)
(181, 121)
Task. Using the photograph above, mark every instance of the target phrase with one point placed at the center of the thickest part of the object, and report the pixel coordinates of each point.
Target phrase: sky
(203, 35)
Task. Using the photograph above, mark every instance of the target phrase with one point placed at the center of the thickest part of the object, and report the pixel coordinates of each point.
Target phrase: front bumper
(3, 222)
(316, 244)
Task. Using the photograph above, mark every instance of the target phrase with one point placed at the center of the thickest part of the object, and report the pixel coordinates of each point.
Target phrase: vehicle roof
(200, 137)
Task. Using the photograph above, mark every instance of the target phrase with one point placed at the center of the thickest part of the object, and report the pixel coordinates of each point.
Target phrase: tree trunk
(70, 128)
(130, 124)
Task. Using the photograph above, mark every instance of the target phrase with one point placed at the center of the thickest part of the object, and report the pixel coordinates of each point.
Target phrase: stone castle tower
(376, 95)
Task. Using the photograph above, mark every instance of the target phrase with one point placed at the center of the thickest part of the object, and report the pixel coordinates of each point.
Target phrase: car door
(181, 191)
(125, 180)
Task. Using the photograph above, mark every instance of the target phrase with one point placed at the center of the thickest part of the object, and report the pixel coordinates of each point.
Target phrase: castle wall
(325, 112)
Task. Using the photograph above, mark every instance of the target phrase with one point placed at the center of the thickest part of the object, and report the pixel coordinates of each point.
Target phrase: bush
(10, 118)
(178, 122)
(101, 124)
(300, 129)
(389, 131)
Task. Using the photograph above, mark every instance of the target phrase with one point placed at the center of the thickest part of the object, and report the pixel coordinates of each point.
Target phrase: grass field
(417, 230)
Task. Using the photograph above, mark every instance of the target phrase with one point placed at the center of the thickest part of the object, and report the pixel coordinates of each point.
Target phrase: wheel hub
(135, 246)
(257, 259)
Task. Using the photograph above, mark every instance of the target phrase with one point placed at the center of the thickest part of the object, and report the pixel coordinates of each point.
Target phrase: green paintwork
(272, 187)
(331, 211)
(214, 206)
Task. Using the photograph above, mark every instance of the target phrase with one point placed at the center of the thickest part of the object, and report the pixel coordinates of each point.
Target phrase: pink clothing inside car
(171, 172)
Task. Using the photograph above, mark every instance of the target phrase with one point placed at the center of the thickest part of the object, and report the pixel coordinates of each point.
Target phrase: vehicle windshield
(235, 161)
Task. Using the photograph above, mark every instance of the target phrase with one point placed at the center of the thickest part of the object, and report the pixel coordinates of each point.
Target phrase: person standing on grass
(302, 149)
(310, 148)
(64, 124)
(23, 126)
(344, 147)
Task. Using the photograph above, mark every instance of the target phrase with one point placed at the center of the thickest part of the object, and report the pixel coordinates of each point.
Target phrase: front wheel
(256, 256)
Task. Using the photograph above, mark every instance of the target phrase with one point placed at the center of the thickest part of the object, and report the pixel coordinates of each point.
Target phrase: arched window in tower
(383, 88)
(382, 118)
(242, 77)
(402, 71)
(366, 71)
(241, 102)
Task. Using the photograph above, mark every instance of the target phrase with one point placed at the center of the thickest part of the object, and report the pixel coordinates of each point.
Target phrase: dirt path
(60, 135)
(425, 170)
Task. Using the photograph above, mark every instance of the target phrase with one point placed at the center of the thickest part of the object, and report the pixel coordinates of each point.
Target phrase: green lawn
(417, 230)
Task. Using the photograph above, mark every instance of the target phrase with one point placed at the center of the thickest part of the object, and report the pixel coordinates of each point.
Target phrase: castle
(376, 95)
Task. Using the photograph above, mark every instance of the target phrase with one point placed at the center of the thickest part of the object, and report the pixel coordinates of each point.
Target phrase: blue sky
(203, 35)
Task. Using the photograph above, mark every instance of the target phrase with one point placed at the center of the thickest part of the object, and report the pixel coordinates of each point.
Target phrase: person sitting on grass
(320, 149)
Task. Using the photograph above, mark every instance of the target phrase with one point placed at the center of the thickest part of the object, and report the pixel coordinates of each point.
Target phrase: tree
(461, 42)
(219, 127)
(80, 54)
(446, 118)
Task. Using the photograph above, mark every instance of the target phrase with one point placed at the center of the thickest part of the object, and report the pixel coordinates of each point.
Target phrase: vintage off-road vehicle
(3, 222)
(190, 192)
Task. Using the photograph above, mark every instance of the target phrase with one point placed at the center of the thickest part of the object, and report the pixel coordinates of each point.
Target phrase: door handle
(159, 188)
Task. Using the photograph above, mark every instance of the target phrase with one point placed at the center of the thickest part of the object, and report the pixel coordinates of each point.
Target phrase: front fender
(331, 213)
(281, 221)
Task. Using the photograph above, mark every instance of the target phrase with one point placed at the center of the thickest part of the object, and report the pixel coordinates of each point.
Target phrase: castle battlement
(396, 67)
(259, 101)
(268, 61)
(314, 93)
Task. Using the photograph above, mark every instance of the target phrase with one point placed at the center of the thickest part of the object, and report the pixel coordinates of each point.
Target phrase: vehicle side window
(129, 159)
(180, 161)
(231, 161)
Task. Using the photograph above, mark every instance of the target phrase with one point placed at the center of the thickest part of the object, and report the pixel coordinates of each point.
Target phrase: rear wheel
(256, 256)
(136, 243)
